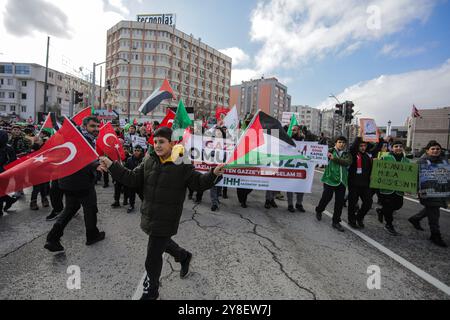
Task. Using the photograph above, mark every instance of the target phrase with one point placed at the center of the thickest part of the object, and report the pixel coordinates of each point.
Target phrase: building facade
(22, 91)
(433, 124)
(268, 95)
(309, 117)
(141, 55)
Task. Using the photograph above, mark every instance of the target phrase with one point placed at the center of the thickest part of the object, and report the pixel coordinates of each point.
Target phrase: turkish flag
(108, 143)
(221, 111)
(79, 117)
(65, 153)
(167, 122)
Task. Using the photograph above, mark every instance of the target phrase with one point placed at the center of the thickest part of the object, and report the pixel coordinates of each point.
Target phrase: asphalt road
(250, 253)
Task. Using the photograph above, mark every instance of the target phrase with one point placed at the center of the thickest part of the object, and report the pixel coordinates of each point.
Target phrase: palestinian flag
(293, 123)
(79, 117)
(163, 93)
(181, 122)
(263, 141)
(50, 124)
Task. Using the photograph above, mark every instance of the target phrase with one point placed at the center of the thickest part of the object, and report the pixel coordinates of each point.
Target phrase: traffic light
(108, 85)
(339, 109)
(78, 97)
(349, 111)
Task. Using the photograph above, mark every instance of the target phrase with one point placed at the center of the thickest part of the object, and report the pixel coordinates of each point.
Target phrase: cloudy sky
(384, 55)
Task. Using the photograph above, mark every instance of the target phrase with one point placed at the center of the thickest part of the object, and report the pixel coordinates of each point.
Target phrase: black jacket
(7, 153)
(164, 191)
(363, 179)
(83, 180)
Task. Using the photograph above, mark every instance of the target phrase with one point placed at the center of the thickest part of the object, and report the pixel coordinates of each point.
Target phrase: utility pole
(101, 81)
(93, 87)
(46, 76)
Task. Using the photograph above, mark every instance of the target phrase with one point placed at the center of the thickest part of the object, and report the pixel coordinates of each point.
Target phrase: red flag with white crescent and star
(108, 143)
(65, 153)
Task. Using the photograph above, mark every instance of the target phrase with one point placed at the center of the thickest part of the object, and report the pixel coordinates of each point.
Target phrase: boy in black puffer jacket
(164, 180)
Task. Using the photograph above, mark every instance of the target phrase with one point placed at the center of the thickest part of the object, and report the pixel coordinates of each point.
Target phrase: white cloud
(393, 50)
(390, 97)
(295, 31)
(239, 75)
(88, 21)
(239, 57)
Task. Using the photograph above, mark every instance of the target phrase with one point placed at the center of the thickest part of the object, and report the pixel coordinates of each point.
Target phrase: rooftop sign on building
(169, 19)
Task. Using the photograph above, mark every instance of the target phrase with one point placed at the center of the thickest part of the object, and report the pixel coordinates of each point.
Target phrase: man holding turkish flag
(63, 154)
(108, 143)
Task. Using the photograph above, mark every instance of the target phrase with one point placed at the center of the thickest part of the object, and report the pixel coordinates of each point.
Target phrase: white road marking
(139, 290)
(419, 272)
(407, 198)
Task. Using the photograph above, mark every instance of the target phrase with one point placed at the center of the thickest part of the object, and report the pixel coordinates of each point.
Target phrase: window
(50, 74)
(8, 68)
(12, 108)
(10, 82)
(24, 96)
(58, 100)
(2, 95)
(2, 108)
(24, 83)
(21, 69)
(24, 109)
(11, 95)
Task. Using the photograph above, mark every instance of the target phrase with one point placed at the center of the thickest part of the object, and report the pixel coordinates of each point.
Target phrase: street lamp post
(93, 82)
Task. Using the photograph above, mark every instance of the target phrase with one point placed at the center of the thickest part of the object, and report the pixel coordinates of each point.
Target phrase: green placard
(396, 176)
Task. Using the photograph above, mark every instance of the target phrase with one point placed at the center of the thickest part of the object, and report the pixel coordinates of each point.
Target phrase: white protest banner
(290, 176)
(231, 122)
(122, 122)
(139, 141)
(318, 153)
(369, 131)
(209, 150)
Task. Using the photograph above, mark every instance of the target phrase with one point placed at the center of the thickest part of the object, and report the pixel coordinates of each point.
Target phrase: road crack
(23, 245)
(275, 258)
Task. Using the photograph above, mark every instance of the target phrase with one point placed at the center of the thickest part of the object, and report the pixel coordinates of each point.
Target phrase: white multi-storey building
(309, 117)
(22, 90)
(140, 55)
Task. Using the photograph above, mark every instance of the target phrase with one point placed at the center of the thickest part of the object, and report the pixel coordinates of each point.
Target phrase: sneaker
(54, 246)
(338, 227)
(100, 237)
(130, 209)
(52, 216)
(146, 294)
(353, 225)
(391, 230)
(416, 224)
(267, 205)
(116, 204)
(185, 266)
(34, 206)
(318, 215)
(244, 205)
(45, 203)
(360, 224)
(273, 204)
(9, 202)
(437, 240)
(291, 209)
(380, 215)
(214, 207)
(300, 208)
